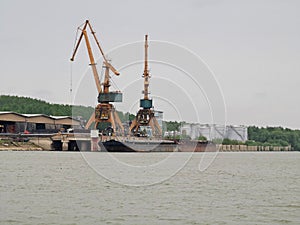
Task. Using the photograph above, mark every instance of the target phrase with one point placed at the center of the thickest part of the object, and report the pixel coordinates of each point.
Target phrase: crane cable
(115, 84)
(102, 72)
(71, 83)
(71, 69)
(71, 65)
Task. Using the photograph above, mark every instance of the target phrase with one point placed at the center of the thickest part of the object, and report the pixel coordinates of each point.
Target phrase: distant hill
(30, 105)
(27, 105)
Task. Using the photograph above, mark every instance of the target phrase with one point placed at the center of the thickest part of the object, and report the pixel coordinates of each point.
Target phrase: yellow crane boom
(91, 56)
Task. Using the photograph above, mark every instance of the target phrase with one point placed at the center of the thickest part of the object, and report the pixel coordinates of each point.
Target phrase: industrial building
(12, 122)
(159, 115)
(214, 131)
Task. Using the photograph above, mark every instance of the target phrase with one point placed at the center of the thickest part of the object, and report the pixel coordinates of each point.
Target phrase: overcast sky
(252, 46)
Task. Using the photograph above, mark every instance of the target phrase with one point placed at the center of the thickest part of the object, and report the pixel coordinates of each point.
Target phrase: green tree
(202, 138)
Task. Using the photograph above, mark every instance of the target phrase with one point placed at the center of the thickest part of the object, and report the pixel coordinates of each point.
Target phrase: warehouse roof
(37, 118)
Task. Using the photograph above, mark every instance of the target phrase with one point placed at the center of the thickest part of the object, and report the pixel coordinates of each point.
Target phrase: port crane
(145, 117)
(105, 116)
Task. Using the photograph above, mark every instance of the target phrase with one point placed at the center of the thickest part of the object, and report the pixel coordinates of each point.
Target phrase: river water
(63, 188)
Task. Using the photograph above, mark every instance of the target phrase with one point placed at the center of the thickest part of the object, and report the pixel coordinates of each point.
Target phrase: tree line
(27, 105)
(274, 136)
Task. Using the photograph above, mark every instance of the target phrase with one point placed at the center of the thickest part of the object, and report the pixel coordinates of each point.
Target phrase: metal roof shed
(39, 118)
(65, 120)
(12, 117)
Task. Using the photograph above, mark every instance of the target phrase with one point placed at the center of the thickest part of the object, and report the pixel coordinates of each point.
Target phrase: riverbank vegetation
(274, 136)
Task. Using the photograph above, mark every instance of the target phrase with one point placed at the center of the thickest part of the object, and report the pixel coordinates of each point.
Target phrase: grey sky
(252, 46)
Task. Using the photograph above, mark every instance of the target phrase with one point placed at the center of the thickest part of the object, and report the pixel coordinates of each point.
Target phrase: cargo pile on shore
(10, 145)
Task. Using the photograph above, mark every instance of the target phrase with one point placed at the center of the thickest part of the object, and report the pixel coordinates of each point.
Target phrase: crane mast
(145, 123)
(146, 71)
(105, 117)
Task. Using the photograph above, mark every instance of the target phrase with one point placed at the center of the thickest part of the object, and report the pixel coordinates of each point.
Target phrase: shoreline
(32, 148)
(45, 144)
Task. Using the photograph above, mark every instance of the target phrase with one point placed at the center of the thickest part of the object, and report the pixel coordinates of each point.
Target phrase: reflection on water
(238, 188)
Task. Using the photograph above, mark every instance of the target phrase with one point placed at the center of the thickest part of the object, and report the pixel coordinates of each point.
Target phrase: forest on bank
(264, 136)
(27, 105)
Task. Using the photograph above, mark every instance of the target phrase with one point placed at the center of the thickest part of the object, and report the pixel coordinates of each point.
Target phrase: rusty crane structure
(105, 117)
(145, 123)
